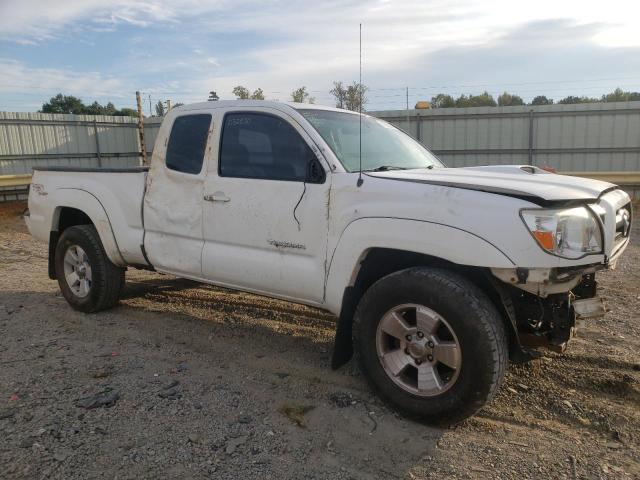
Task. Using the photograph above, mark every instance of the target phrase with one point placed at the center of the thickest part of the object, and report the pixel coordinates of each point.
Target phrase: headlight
(568, 233)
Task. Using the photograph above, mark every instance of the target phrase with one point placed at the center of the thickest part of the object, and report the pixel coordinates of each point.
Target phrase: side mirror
(315, 172)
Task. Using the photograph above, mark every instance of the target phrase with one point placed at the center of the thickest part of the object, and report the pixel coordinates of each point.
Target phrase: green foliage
(509, 100)
(339, 93)
(159, 107)
(442, 100)
(241, 92)
(482, 100)
(128, 112)
(619, 95)
(352, 97)
(64, 104)
(300, 95)
(571, 99)
(542, 100)
(356, 97)
(70, 104)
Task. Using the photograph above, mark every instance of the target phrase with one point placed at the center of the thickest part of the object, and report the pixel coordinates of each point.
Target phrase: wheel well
(67, 217)
(380, 262)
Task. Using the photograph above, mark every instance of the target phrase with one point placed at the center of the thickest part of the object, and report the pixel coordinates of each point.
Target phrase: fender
(446, 242)
(91, 206)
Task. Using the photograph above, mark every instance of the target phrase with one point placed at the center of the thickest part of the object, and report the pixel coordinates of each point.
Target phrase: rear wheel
(87, 278)
(431, 343)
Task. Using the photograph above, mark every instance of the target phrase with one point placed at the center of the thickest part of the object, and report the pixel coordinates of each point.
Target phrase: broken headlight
(568, 233)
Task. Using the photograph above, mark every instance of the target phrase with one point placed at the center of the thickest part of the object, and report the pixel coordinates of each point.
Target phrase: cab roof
(257, 103)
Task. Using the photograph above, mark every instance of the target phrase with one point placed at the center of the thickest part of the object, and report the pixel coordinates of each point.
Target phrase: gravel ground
(189, 381)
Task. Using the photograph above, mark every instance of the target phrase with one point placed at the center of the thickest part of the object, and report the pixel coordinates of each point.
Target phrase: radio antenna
(360, 112)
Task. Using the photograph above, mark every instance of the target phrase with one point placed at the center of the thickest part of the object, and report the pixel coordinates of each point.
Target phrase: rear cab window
(187, 143)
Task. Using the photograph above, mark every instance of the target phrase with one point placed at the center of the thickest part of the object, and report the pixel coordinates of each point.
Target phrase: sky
(105, 50)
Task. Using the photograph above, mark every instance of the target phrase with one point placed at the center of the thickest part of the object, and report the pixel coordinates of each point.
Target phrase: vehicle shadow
(177, 291)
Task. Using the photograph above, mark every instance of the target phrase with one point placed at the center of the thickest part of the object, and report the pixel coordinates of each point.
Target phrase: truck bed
(111, 197)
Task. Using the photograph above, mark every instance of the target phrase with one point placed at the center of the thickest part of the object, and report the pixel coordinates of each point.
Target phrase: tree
(356, 97)
(509, 100)
(109, 109)
(127, 112)
(94, 109)
(64, 104)
(179, 104)
(571, 99)
(542, 100)
(619, 95)
(70, 104)
(300, 95)
(241, 92)
(350, 97)
(159, 109)
(482, 100)
(339, 93)
(257, 94)
(442, 100)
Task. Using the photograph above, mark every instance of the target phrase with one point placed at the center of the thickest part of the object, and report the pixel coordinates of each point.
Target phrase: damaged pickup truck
(438, 276)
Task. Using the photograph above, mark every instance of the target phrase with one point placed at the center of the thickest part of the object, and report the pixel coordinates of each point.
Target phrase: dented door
(265, 228)
(173, 200)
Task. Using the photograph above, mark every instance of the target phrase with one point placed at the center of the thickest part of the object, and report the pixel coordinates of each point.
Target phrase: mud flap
(343, 343)
(54, 235)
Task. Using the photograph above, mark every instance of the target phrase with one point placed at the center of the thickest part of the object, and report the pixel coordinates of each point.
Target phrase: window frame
(281, 118)
(204, 153)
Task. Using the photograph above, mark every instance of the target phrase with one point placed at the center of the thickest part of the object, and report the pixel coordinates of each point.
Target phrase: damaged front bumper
(547, 306)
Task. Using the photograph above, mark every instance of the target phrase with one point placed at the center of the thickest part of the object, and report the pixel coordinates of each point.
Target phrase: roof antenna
(359, 183)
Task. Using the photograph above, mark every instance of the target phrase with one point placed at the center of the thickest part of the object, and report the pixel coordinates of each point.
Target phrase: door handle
(217, 197)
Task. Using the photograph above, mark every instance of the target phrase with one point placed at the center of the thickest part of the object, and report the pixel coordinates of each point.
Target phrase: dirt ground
(201, 382)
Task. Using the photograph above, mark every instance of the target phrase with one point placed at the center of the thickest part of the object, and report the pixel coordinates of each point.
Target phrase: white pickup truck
(438, 276)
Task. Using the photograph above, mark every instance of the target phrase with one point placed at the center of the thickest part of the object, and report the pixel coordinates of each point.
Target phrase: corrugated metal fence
(600, 140)
(597, 137)
(30, 140)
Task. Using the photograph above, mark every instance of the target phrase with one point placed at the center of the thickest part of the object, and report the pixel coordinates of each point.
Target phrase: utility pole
(407, 98)
(143, 147)
(168, 105)
(150, 109)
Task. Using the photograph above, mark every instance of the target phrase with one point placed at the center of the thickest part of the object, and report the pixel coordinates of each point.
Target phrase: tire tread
(488, 317)
(108, 279)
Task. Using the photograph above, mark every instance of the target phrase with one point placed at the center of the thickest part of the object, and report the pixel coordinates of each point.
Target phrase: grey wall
(598, 137)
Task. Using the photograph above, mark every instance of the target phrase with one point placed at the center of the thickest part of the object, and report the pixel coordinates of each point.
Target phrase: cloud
(18, 78)
(545, 56)
(181, 49)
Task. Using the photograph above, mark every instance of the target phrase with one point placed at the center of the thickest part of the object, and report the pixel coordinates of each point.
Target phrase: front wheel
(431, 343)
(87, 278)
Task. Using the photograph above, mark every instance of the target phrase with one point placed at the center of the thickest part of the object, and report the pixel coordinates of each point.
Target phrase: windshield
(384, 147)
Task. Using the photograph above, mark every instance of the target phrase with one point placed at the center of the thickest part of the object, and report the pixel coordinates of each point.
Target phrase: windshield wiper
(385, 168)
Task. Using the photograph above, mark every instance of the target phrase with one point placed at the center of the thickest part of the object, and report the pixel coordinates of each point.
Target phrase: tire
(468, 352)
(97, 282)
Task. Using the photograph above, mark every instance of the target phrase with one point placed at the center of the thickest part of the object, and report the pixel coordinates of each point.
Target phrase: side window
(256, 145)
(187, 142)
